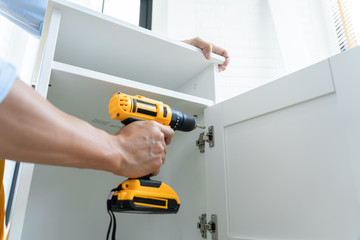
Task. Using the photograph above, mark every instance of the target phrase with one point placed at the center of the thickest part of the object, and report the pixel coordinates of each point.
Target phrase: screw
(213, 236)
(212, 217)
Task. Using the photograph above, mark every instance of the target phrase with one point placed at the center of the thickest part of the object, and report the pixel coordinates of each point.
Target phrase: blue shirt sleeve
(28, 14)
(7, 78)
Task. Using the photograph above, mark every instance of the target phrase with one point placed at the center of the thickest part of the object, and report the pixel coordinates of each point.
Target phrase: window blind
(343, 24)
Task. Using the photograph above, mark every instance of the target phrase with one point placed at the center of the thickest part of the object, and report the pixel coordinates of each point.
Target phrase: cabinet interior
(96, 55)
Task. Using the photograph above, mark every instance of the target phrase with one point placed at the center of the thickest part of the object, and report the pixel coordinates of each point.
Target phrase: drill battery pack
(143, 195)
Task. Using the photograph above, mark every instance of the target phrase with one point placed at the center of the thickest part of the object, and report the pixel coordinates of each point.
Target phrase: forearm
(33, 130)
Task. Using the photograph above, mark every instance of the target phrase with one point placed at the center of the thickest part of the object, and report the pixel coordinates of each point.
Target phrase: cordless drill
(143, 195)
(128, 108)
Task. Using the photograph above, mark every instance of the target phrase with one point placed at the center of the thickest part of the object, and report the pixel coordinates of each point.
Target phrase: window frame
(145, 15)
(145, 20)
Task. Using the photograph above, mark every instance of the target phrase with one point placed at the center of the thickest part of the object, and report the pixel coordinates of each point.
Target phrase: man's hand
(143, 148)
(33, 130)
(208, 48)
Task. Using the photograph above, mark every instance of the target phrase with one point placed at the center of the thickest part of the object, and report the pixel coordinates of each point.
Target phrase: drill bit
(200, 126)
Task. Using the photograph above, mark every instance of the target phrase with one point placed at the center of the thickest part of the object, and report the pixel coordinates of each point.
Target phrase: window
(126, 10)
(354, 8)
(137, 12)
(343, 24)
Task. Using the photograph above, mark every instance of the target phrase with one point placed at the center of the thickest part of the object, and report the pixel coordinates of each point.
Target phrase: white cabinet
(283, 166)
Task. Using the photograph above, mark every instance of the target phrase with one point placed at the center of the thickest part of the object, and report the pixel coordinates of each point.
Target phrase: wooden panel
(289, 175)
(306, 84)
(291, 156)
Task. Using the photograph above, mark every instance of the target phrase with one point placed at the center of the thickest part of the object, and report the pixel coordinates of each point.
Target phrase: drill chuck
(182, 121)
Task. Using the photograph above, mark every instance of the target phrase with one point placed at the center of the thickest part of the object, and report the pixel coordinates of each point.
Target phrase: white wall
(305, 32)
(354, 9)
(244, 28)
(266, 39)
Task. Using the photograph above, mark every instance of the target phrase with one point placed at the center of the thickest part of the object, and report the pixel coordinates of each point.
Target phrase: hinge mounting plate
(206, 137)
(205, 226)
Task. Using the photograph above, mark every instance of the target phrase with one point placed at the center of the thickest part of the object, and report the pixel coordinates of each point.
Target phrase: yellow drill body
(143, 195)
(124, 107)
(128, 108)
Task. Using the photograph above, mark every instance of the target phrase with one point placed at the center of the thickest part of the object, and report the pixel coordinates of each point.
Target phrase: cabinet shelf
(94, 41)
(86, 93)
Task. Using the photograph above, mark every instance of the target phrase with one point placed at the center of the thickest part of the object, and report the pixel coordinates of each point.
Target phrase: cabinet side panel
(48, 54)
(203, 84)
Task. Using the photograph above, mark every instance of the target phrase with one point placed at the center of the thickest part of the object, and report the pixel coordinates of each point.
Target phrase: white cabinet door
(286, 155)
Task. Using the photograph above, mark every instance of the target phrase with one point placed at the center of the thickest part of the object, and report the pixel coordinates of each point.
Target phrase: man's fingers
(168, 133)
(222, 52)
(208, 48)
(155, 173)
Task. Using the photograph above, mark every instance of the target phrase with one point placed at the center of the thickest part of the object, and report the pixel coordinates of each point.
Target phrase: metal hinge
(210, 226)
(208, 137)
